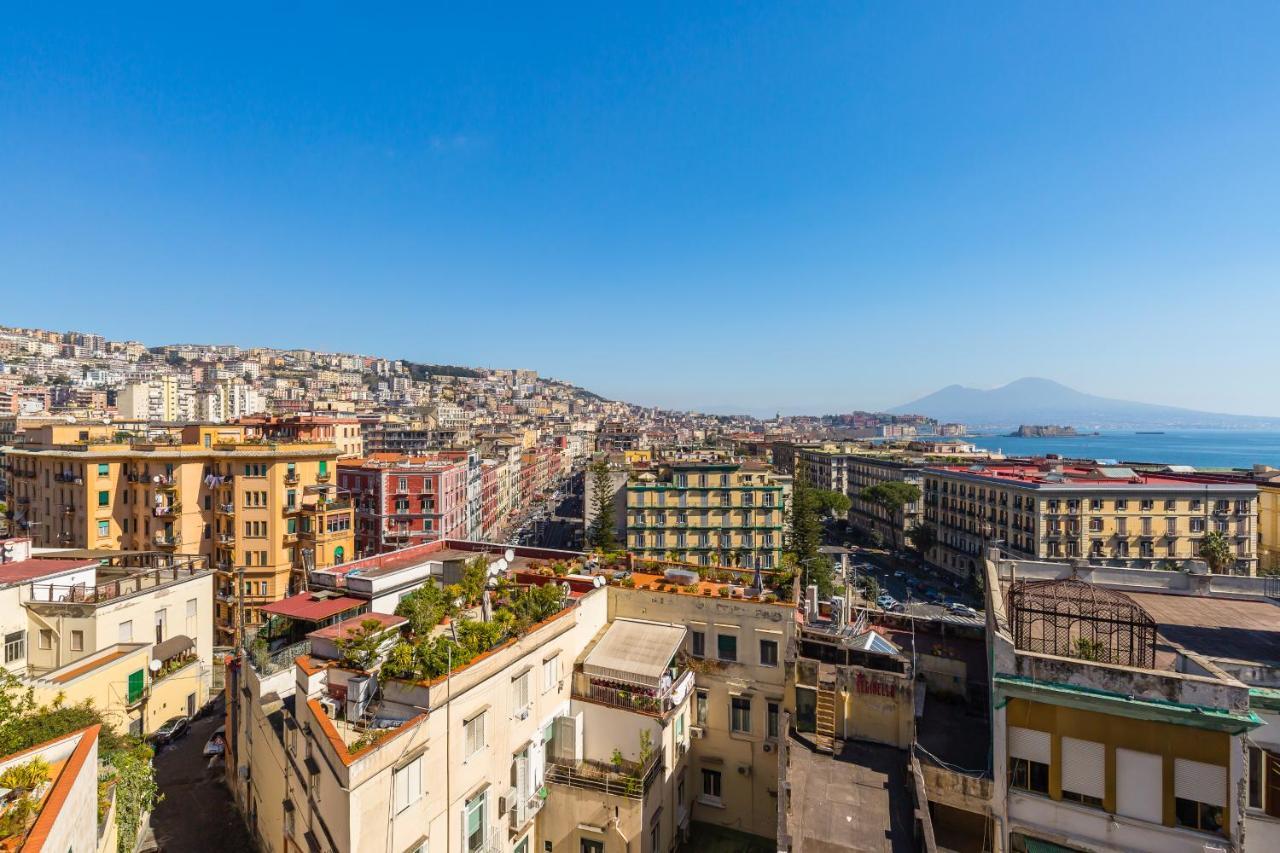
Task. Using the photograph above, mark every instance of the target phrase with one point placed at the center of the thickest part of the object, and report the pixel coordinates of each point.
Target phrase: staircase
(825, 732)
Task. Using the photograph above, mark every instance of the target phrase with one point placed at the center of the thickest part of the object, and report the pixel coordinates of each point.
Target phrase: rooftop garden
(427, 652)
(126, 761)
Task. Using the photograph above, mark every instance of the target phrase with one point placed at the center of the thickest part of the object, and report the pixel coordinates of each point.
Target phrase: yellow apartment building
(708, 513)
(258, 510)
(1051, 510)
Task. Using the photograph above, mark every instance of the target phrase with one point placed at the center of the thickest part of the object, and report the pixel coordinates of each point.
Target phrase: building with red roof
(1070, 509)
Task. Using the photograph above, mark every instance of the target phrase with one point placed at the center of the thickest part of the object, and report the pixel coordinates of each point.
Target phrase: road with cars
(907, 585)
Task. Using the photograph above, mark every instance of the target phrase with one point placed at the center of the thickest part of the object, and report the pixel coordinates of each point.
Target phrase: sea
(1200, 448)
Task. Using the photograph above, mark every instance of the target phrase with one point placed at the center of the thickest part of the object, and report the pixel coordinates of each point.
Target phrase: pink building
(405, 500)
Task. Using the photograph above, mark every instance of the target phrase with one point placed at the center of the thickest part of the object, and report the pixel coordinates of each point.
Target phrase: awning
(635, 652)
(171, 647)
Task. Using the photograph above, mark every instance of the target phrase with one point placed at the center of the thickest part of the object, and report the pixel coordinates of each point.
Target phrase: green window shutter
(104, 498)
(135, 686)
(103, 469)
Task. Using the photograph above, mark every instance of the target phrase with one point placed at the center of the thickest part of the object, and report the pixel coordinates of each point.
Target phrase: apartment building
(638, 707)
(708, 513)
(1126, 709)
(342, 432)
(133, 633)
(165, 399)
(736, 646)
(257, 510)
(1048, 509)
(402, 501)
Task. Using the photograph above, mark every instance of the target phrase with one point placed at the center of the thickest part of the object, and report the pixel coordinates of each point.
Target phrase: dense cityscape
(345, 602)
(826, 427)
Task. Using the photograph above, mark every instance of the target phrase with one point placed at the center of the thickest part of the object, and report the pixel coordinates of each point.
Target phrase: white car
(962, 610)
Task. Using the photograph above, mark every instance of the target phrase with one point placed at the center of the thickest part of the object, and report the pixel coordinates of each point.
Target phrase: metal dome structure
(1071, 618)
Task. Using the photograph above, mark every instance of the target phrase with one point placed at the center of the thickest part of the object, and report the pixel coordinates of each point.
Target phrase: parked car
(962, 610)
(886, 601)
(170, 730)
(217, 743)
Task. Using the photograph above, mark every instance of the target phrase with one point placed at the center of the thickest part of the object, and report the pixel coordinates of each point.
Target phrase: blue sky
(805, 207)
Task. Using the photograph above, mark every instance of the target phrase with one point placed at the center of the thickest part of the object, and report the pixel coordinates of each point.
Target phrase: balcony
(166, 540)
(636, 698)
(227, 509)
(322, 476)
(130, 582)
(226, 539)
(167, 510)
(291, 478)
(627, 779)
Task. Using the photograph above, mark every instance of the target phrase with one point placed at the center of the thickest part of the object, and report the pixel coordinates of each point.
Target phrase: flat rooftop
(857, 800)
(1215, 626)
(21, 571)
(1067, 474)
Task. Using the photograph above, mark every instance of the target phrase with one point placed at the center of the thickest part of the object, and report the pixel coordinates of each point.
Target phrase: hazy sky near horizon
(805, 207)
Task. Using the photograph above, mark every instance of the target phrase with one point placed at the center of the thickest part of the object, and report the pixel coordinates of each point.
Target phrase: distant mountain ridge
(1033, 400)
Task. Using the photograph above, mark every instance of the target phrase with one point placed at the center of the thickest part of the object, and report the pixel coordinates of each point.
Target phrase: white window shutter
(1084, 767)
(1029, 744)
(1203, 783)
(1140, 785)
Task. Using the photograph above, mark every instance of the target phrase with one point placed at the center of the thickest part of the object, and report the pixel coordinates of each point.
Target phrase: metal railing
(112, 590)
(633, 699)
(605, 778)
(269, 663)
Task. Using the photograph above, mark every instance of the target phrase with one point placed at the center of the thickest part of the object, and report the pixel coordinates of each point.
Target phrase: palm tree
(1215, 550)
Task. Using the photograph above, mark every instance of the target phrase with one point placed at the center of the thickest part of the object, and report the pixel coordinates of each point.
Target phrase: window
(1029, 759)
(1140, 785)
(771, 720)
(408, 784)
(104, 528)
(1084, 773)
(520, 692)
(104, 498)
(711, 785)
(46, 638)
(1197, 525)
(474, 822)
(550, 673)
(700, 708)
(590, 845)
(474, 729)
(655, 836)
(77, 641)
(15, 646)
(1200, 794)
(104, 469)
(124, 631)
(699, 641)
(1122, 505)
(768, 652)
(727, 647)
(740, 715)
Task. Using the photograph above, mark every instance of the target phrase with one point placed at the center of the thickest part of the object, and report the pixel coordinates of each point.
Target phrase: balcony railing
(633, 698)
(112, 590)
(167, 540)
(626, 780)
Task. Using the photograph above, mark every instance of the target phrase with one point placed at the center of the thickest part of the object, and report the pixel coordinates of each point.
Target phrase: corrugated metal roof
(636, 652)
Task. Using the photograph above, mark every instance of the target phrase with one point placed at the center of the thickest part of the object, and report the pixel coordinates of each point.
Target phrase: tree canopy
(892, 495)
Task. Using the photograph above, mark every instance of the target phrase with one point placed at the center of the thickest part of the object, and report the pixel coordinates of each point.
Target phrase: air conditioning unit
(695, 732)
(744, 769)
(522, 714)
(330, 706)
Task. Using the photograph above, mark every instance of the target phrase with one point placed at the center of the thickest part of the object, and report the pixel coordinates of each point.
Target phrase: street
(196, 812)
(906, 578)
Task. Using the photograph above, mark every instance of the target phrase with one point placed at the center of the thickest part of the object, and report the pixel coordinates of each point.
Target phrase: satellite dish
(154, 665)
(156, 478)
(509, 555)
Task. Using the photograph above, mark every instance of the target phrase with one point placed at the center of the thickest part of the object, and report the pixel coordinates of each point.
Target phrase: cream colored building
(66, 808)
(1052, 510)
(608, 727)
(707, 513)
(136, 640)
(258, 511)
